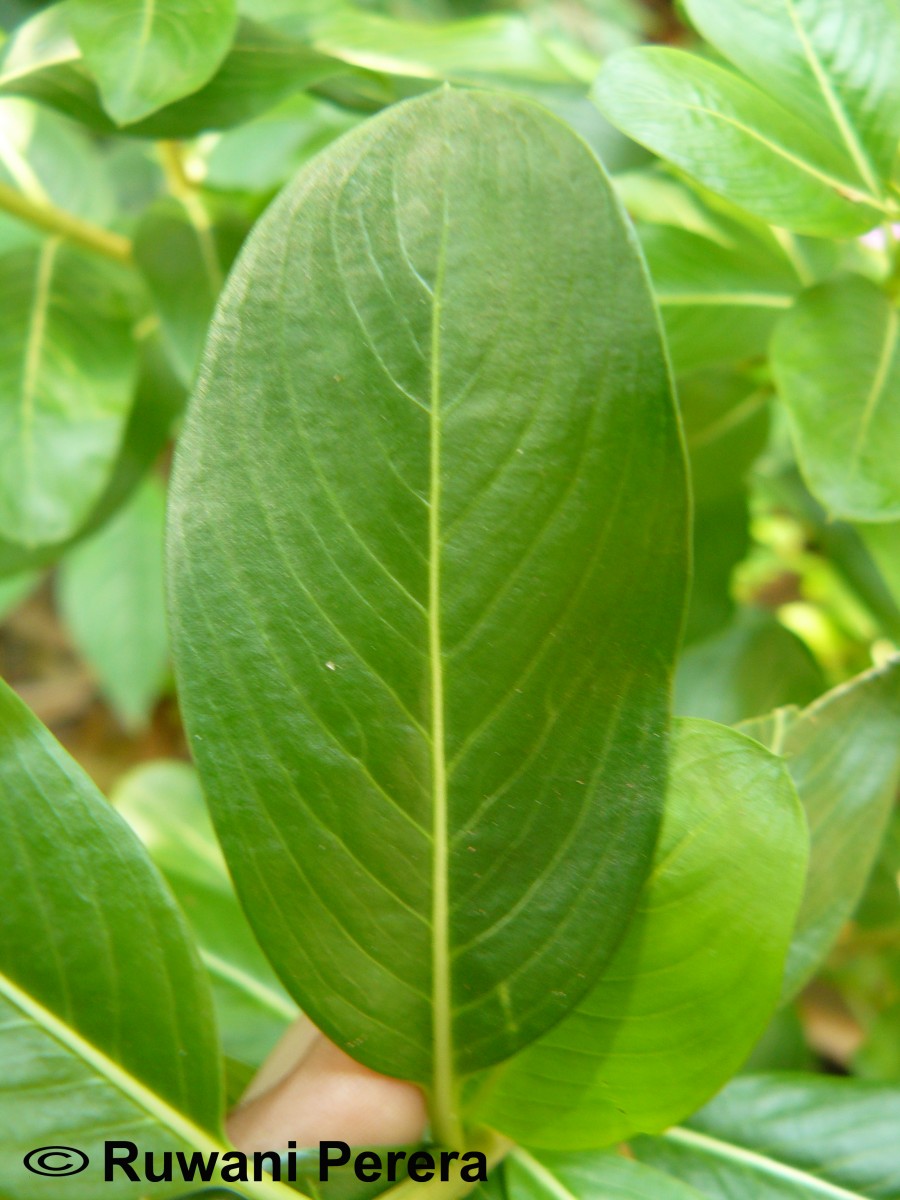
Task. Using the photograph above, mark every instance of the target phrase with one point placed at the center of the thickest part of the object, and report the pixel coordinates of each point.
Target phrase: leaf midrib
(758, 1162)
(159, 1110)
(443, 1086)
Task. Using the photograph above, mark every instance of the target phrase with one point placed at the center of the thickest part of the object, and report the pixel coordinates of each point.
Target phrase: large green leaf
(428, 534)
(734, 139)
(42, 61)
(113, 600)
(163, 803)
(146, 54)
(587, 1176)
(15, 589)
(832, 61)
(105, 1016)
(836, 359)
(787, 1137)
(698, 973)
(67, 370)
(843, 753)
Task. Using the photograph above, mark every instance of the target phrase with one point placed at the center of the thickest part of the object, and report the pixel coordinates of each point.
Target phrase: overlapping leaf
(836, 359)
(146, 54)
(788, 1137)
(105, 1015)
(737, 141)
(699, 970)
(843, 753)
(68, 364)
(163, 803)
(424, 542)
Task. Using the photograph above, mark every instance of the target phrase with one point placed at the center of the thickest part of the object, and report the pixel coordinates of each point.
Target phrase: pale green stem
(50, 219)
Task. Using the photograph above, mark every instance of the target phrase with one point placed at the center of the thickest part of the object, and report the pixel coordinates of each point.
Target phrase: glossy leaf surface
(112, 597)
(67, 370)
(735, 140)
(834, 62)
(146, 54)
(163, 803)
(836, 359)
(86, 917)
(698, 972)
(414, 541)
(843, 753)
(788, 1137)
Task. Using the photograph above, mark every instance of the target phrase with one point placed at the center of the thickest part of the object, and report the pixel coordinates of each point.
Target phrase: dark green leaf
(416, 542)
(836, 360)
(698, 973)
(86, 920)
(146, 54)
(787, 1137)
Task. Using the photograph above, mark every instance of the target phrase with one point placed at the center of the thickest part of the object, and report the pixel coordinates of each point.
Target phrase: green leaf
(833, 62)
(146, 54)
(752, 666)
(726, 423)
(499, 49)
(112, 598)
(413, 538)
(262, 68)
(787, 1137)
(836, 360)
(163, 803)
(720, 304)
(263, 154)
(698, 973)
(87, 921)
(882, 540)
(844, 756)
(50, 160)
(67, 370)
(159, 399)
(184, 257)
(736, 141)
(587, 1176)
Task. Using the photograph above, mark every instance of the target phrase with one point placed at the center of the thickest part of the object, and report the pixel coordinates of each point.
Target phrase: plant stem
(492, 1145)
(183, 189)
(55, 220)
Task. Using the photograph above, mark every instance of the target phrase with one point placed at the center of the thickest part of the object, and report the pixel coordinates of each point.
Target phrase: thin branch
(55, 220)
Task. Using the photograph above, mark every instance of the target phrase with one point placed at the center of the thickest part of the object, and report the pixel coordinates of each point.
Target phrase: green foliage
(429, 585)
(403, 356)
